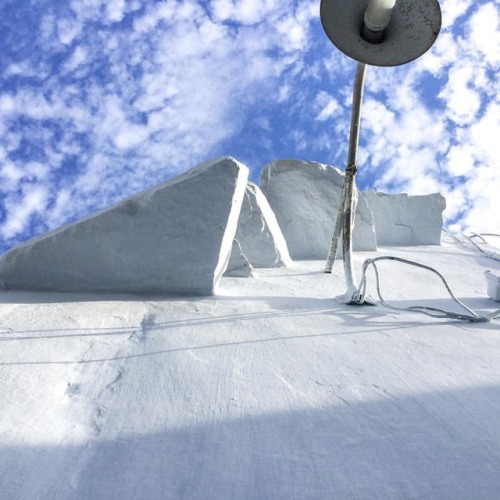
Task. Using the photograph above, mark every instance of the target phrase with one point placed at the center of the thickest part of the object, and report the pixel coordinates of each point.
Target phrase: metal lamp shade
(413, 29)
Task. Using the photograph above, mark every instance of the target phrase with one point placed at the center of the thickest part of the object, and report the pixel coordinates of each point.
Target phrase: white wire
(468, 242)
(434, 312)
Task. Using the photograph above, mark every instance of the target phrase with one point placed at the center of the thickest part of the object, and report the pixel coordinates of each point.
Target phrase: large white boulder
(258, 231)
(305, 196)
(402, 220)
(175, 238)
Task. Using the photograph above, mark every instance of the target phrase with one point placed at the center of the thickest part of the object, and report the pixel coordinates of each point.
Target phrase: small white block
(493, 282)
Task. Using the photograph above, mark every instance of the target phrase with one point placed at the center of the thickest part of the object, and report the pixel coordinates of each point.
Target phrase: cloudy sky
(102, 98)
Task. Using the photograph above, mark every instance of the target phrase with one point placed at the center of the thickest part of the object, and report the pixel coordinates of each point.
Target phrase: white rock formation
(402, 220)
(305, 198)
(258, 231)
(238, 266)
(493, 282)
(175, 238)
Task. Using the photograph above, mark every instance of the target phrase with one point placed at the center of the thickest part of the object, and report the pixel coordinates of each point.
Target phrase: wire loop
(472, 316)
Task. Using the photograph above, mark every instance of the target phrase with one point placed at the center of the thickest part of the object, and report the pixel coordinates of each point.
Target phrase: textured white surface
(305, 198)
(493, 285)
(238, 265)
(258, 231)
(271, 390)
(402, 220)
(174, 238)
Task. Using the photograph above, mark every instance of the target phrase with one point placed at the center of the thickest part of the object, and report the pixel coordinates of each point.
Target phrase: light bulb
(378, 14)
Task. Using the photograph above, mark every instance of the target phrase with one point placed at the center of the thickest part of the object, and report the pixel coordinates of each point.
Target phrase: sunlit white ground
(269, 390)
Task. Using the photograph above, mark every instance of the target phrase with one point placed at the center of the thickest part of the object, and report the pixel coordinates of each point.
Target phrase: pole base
(350, 299)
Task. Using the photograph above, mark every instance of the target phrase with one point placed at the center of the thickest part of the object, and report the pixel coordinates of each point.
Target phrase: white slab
(402, 220)
(259, 233)
(305, 196)
(175, 238)
(493, 283)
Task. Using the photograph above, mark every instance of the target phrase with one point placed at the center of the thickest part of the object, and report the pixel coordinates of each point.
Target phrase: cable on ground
(469, 243)
(434, 312)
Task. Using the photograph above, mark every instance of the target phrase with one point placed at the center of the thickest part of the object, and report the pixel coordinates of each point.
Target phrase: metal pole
(357, 98)
(345, 217)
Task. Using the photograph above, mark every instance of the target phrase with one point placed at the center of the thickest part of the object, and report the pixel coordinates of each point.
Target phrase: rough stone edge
(232, 222)
(274, 228)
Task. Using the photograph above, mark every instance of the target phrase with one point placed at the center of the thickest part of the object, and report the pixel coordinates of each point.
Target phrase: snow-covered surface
(305, 197)
(258, 231)
(270, 390)
(402, 220)
(174, 238)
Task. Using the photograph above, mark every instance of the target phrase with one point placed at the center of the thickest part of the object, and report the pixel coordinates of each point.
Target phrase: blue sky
(103, 98)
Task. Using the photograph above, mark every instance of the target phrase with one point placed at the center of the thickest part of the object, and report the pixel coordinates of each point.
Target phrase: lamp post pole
(379, 33)
(347, 207)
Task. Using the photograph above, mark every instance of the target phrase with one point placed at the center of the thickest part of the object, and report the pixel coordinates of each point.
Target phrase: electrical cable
(469, 243)
(434, 312)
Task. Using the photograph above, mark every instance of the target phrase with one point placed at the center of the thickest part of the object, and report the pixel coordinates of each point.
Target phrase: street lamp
(376, 33)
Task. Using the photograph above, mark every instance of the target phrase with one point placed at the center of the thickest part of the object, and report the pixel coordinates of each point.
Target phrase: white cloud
(22, 68)
(284, 93)
(131, 136)
(115, 10)
(244, 11)
(295, 33)
(482, 191)
(460, 160)
(462, 100)
(11, 175)
(62, 208)
(33, 200)
(78, 58)
(326, 106)
(154, 16)
(453, 9)
(67, 30)
(484, 135)
(484, 32)
(7, 103)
